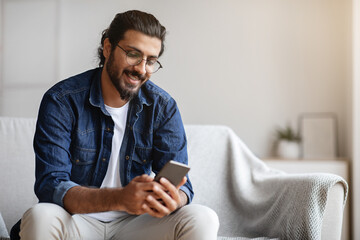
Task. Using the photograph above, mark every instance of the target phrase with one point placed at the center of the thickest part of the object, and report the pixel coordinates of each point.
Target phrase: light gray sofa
(251, 200)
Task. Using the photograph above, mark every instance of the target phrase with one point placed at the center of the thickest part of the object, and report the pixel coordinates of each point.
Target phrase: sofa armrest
(333, 213)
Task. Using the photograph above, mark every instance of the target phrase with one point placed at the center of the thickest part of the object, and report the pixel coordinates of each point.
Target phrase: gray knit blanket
(252, 200)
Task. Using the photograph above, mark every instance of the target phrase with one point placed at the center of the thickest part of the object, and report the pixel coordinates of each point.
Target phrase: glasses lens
(134, 57)
(152, 66)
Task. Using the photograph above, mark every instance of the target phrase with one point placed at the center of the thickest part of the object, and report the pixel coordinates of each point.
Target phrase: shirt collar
(96, 98)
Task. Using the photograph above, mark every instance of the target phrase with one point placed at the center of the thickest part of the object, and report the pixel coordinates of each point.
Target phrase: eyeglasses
(134, 58)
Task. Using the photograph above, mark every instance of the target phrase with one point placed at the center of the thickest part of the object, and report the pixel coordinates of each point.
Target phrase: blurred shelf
(338, 166)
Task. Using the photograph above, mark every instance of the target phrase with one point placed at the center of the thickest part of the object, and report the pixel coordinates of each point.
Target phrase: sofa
(252, 200)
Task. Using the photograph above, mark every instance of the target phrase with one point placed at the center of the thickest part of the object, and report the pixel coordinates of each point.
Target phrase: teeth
(133, 77)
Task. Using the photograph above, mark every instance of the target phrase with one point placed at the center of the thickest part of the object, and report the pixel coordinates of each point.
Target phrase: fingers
(146, 183)
(156, 199)
(143, 178)
(134, 195)
(162, 199)
(156, 208)
(172, 197)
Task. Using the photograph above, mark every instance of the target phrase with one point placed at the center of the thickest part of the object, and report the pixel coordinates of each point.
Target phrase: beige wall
(253, 65)
(356, 116)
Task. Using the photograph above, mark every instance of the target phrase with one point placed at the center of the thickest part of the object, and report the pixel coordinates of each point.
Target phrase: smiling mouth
(133, 78)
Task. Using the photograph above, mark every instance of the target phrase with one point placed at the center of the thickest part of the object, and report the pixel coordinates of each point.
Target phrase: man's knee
(41, 218)
(202, 216)
(44, 212)
(197, 222)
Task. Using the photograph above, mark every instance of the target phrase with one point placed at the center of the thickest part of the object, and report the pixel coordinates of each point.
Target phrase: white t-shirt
(112, 177)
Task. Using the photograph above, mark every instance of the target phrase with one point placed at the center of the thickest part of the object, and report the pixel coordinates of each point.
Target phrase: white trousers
(46, 221)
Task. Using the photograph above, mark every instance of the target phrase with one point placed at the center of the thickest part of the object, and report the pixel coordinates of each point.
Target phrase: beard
(127, 91)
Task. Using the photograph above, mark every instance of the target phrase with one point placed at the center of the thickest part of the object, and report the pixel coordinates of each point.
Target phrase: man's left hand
(166, 199)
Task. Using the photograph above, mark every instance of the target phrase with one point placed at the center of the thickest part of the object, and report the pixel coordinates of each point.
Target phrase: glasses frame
(143, 59)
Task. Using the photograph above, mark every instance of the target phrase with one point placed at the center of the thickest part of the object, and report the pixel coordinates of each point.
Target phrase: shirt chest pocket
(83, 164)
(141, 160)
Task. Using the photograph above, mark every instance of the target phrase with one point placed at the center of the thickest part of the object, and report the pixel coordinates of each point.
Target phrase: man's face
(128, 79)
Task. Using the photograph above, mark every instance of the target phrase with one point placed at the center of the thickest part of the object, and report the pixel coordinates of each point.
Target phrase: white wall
(251, 64)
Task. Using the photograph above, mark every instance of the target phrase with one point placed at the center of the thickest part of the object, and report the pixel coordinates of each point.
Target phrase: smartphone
(173, 171)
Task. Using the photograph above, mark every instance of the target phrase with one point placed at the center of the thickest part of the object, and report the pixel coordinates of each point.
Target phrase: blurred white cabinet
(339, 167)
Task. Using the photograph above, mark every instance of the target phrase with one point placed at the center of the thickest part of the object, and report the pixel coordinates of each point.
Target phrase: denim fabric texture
(74, 133)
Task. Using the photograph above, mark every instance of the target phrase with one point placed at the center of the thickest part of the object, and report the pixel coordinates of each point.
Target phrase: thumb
(182, 182)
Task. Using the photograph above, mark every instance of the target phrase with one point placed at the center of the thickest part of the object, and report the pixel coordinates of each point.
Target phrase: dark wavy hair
(131, 20)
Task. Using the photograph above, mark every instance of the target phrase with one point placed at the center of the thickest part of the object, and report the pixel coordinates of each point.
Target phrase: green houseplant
(288, 143)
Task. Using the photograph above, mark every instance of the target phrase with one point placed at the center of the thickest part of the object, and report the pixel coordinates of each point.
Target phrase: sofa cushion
(17, 166)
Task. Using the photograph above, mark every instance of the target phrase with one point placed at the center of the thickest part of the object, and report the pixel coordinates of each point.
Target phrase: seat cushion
(17, 168)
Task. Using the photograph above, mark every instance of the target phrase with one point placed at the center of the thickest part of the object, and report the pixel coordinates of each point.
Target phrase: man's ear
(107, 48)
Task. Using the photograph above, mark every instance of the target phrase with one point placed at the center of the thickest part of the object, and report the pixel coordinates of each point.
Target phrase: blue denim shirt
(74, 133)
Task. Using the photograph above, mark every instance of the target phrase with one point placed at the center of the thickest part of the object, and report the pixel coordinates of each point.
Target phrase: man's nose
(141, 67)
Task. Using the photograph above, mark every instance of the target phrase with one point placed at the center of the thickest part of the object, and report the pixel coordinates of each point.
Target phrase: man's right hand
(133, 196)
(144, 195)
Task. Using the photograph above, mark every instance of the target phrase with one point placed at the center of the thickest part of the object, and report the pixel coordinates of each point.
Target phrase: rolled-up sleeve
(61, 190)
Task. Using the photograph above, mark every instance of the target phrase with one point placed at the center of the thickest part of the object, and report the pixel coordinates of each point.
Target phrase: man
(98, 137)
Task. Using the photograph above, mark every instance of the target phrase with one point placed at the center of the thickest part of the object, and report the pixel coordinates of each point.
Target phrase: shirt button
(127, 157)
(104, 159)
(77, 161)
(108, 129)
(144, 161)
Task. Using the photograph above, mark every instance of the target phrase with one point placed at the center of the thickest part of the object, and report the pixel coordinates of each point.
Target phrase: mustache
(141, 77)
